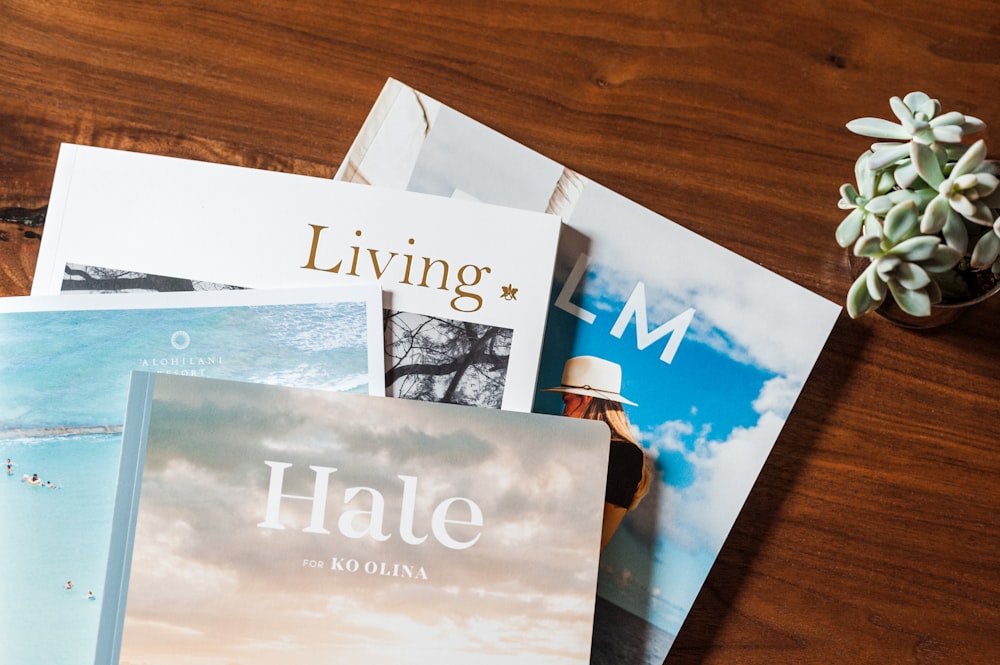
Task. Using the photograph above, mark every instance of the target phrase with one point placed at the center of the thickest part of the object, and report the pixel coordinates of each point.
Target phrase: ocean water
(68, 377)
(622, 637)
(59, 535)
(72, 368)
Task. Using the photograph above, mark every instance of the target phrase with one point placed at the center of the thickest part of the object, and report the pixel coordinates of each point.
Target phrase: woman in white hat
(591, 388)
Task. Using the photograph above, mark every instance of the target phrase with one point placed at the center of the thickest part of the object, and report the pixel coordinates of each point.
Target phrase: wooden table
(872, 533)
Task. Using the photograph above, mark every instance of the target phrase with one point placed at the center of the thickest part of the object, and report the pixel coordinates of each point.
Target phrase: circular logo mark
(180, 340)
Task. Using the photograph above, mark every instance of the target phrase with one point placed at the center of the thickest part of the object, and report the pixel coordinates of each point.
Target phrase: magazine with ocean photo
(62, 405)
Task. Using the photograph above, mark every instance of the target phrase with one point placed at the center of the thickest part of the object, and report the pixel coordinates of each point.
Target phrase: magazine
(64, 379)
(267, 524)
(466, 284)
(711, 350)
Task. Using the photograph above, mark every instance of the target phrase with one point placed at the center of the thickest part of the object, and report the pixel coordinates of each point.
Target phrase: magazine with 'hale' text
(466, 284)
(262, 524)
(63, 393)
(699, 352)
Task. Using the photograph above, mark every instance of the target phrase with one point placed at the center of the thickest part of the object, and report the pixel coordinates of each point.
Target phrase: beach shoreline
(36, 432)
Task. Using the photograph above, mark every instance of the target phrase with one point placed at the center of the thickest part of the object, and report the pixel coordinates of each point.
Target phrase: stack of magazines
(459, 403)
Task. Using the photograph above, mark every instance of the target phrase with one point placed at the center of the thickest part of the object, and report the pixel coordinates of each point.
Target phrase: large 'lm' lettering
(635, 307)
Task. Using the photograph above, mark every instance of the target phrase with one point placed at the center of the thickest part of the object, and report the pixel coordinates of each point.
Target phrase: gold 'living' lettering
(436, 273)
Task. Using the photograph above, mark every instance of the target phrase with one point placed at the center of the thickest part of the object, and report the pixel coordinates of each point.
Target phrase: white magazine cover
(466, 284)
(64, 380)
(704, 351)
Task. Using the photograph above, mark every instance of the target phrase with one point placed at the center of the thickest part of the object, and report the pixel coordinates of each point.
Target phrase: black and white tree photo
(95, 279)
(443, 360)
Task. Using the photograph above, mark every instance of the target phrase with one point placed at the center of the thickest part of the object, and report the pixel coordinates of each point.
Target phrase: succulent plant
(924, 210)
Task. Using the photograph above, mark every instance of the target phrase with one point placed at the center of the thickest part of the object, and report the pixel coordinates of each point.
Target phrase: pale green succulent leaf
(849, 229)
(884, 182)
(923, 196)
(890, 154)
(935, 215)
(869, 246)
(863, 175)
(901, 222)
(921, 103)
(949, 118)
(969, 161)
(873, 226)
(974, 211)
(880, 204)
(920, 197)
(848, 194)
(859, 301)
(943, 259)
(971, 125)
(965, 181)
(911, 276)
(962, 206)
(954, 233)
(905, 174)
(986, 184)
(927, 164)
(983, 215)
(917, 302)
(986, 251)
(917, 248)
(875, 283)
(878, 128)
(947, 134)
(901, 110)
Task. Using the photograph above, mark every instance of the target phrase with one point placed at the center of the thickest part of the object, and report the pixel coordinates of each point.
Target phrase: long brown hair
(614, 415)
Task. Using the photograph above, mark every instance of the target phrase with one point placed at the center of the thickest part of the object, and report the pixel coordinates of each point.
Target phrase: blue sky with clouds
(688, 410)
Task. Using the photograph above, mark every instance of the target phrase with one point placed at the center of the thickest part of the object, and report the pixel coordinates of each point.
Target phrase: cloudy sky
(207, 580)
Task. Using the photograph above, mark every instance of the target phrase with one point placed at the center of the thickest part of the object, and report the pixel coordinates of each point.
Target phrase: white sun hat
(593, 376)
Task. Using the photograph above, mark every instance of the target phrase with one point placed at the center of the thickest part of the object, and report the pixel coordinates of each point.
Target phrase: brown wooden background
(872, 533)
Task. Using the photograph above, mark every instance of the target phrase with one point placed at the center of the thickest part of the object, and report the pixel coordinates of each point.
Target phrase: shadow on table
(714, 604)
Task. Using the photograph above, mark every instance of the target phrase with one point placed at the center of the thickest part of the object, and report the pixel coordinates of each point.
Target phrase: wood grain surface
(872, 533)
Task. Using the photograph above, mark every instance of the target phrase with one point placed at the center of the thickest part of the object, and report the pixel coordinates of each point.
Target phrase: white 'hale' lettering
(347, 523)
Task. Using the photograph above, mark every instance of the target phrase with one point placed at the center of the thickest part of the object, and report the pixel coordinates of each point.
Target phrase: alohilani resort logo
(177, 362)
(180, 340)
